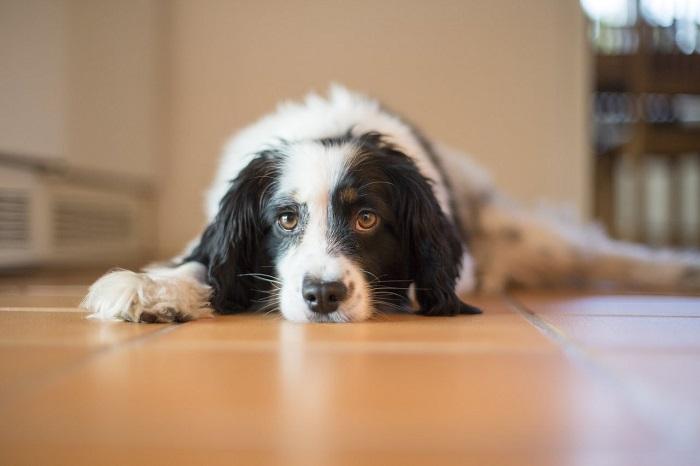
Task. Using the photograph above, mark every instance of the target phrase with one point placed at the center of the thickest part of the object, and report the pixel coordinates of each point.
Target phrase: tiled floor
(539, 379)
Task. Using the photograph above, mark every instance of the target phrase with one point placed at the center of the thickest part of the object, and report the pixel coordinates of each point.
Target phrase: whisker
(387, 305)
(269, 297)
(370, 273)
(274, 290)
(396, 281)
(380, 287)
(378, 314)
(382, 301)
(274, 282)
(396, 287)
(389, 294)
(268, 308)
(259, 275)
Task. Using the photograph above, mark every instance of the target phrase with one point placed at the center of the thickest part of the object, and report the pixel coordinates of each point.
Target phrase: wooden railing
(642, 94)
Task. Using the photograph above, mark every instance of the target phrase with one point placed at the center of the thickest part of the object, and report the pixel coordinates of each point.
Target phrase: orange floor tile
(539, 379)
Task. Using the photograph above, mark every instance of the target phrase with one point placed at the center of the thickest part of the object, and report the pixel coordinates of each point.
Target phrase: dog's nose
(323, 297)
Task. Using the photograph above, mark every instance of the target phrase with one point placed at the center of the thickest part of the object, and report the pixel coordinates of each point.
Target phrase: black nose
(323, 297)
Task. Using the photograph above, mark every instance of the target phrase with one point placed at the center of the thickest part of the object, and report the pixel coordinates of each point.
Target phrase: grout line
(413, 348)
(544, 327)
(73, 309)
(24, 389)
(653, 316)
(681, 436)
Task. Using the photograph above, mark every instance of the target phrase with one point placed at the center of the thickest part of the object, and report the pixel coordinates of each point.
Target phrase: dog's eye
(288, 221)
(366, 220)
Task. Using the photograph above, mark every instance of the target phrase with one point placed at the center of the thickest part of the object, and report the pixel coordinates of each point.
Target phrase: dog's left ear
(230, 246)
(430, 239)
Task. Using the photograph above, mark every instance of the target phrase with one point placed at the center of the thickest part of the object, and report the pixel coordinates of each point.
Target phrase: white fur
(317, 117)
(168, 294)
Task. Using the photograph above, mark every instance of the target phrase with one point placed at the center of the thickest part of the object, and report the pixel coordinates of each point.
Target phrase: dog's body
(333, 209)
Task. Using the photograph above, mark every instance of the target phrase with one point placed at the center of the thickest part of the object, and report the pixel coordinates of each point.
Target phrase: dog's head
(332, 230)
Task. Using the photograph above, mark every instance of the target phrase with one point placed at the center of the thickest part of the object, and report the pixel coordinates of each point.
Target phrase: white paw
(147, 297)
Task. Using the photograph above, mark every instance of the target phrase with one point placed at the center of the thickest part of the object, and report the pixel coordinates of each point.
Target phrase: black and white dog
(334, 209)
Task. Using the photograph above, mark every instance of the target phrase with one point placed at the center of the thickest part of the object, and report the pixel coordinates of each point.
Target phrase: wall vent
(48, 221)
(14, 219)
(78, 224)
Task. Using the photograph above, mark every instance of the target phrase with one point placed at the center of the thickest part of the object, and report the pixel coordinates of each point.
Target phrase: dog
(335, 209)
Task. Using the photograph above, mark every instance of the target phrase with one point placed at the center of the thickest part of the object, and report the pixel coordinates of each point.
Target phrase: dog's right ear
(231, 245)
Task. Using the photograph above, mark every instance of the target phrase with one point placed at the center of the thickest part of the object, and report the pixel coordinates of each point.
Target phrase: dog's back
(547, 247)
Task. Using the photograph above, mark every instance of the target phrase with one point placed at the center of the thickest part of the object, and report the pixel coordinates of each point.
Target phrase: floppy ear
(431, 241)
(231, 245)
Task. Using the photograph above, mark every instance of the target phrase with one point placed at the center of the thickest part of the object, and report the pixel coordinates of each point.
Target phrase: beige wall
(502, 79)
(116, 85)
(33, 78)
(81, 83)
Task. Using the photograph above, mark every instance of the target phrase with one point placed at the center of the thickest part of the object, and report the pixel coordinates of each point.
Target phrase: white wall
(81, 82)
(33, 77)
(116, 85)
(502, 79)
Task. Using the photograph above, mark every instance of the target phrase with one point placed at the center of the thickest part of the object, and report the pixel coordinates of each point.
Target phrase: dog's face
(333, 235)
(331, 231)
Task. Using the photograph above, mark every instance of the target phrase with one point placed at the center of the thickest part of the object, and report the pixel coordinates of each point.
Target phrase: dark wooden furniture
(643, 74)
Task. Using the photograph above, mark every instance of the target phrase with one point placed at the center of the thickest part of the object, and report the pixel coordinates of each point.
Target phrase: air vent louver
(14, 219)
(77, 224)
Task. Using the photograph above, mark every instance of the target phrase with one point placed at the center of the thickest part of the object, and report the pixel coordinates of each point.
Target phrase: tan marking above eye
(288, 221)
(348, 195)
(366, 220)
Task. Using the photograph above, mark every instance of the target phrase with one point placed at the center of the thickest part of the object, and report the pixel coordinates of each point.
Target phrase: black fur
(431, 245)
(231, 245)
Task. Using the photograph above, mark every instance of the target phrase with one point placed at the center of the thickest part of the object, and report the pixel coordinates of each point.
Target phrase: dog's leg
(536, 249)
(159, 294)
(640, 267)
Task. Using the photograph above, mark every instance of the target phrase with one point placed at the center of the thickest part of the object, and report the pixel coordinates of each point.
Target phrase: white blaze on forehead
(310, 174)
(311, 170)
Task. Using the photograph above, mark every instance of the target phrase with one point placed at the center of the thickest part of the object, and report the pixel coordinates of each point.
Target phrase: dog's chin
(337, 317)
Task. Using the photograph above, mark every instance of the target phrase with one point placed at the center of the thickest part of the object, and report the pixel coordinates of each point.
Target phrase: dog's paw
(144, 297)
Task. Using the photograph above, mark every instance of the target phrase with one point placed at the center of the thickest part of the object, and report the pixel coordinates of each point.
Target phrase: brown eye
(366, 220)
(288, 221)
